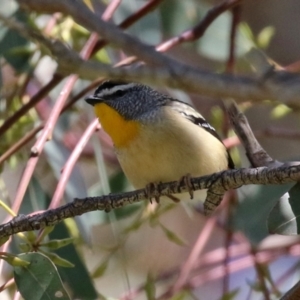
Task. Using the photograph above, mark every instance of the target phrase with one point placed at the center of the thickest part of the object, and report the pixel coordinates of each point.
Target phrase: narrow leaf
(172, 236)
(59, 261)
(15, 260)
(100, 270)
(150, 287)
(56, 244)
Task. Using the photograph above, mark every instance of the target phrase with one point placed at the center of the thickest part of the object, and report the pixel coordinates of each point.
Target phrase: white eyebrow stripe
(111, 91)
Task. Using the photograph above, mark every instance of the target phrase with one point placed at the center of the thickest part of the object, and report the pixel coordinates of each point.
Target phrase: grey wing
(192, 115)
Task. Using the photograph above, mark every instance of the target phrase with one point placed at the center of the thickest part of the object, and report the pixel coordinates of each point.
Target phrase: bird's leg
(186, 180)
(152, 191)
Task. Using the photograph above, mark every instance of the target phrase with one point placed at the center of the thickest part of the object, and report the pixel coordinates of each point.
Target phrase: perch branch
(216, 183)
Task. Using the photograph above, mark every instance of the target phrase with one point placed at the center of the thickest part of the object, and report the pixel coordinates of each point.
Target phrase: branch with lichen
(216, 184)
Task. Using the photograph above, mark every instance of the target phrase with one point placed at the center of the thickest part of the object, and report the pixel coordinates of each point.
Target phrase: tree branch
(257, 156)
(216, 183)
(293, 293)
(162, 70)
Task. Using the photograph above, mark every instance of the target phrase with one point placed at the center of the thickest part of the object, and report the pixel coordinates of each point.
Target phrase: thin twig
(229, 200)
(67, 169)
(31, 103)
(234, 266)
(31, 134)
(236, 15)
(39, 145)
(293, 293)
(148, 7)
(58, 77)
(192, 34)
(51, 24)
(49, 125)
(240, 260)
(260, 275)
(20, 143)
(82, 93)
(36, 98)
(197, 32)
(194, 255)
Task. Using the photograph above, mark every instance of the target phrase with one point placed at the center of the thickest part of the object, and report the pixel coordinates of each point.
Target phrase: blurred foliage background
(144, 250)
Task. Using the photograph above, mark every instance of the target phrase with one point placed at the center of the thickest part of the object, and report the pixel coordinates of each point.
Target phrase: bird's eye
(119, 93)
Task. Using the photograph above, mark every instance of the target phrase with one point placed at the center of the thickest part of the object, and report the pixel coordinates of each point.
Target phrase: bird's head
(130, 100)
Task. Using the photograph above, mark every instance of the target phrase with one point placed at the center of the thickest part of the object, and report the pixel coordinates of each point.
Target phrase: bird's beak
(93, 100)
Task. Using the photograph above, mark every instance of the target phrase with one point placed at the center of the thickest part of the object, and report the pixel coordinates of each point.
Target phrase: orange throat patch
(121, 131)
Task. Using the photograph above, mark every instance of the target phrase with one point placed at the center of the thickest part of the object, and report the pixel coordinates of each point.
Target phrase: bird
(157, 138)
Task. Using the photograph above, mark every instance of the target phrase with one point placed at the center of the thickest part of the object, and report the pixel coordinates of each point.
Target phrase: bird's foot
(186, 180)
(152, 191)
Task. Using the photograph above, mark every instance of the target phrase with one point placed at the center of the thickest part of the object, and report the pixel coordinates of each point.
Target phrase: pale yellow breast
(166, 151)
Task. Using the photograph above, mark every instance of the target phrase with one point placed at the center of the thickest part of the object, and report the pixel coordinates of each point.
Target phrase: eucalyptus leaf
(57, 155)
(40, 279)
(14, 47)
(252, 213)
(285, 215)
(78, 278)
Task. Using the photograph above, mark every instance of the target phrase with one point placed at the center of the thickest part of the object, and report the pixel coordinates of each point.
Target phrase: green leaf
(57, 155)
(40, 280)
(162, 209)
(265, 36)
(148, 27)
(35, 199)
(214, 43)
(247, 32)
(45, 232)
(284, 217)
(182, 295)
(14, 47)
(256, 203)
(280, 111)
(31, 236)
(59, 261)
(178, 15)
(3, 240)
(78, 278)
(135, 225)
(118, 182)
(172, 236)
(230, 295)
(150, 287)
(56, 244)
(14, 260)
(100, 270)
(25, 247)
